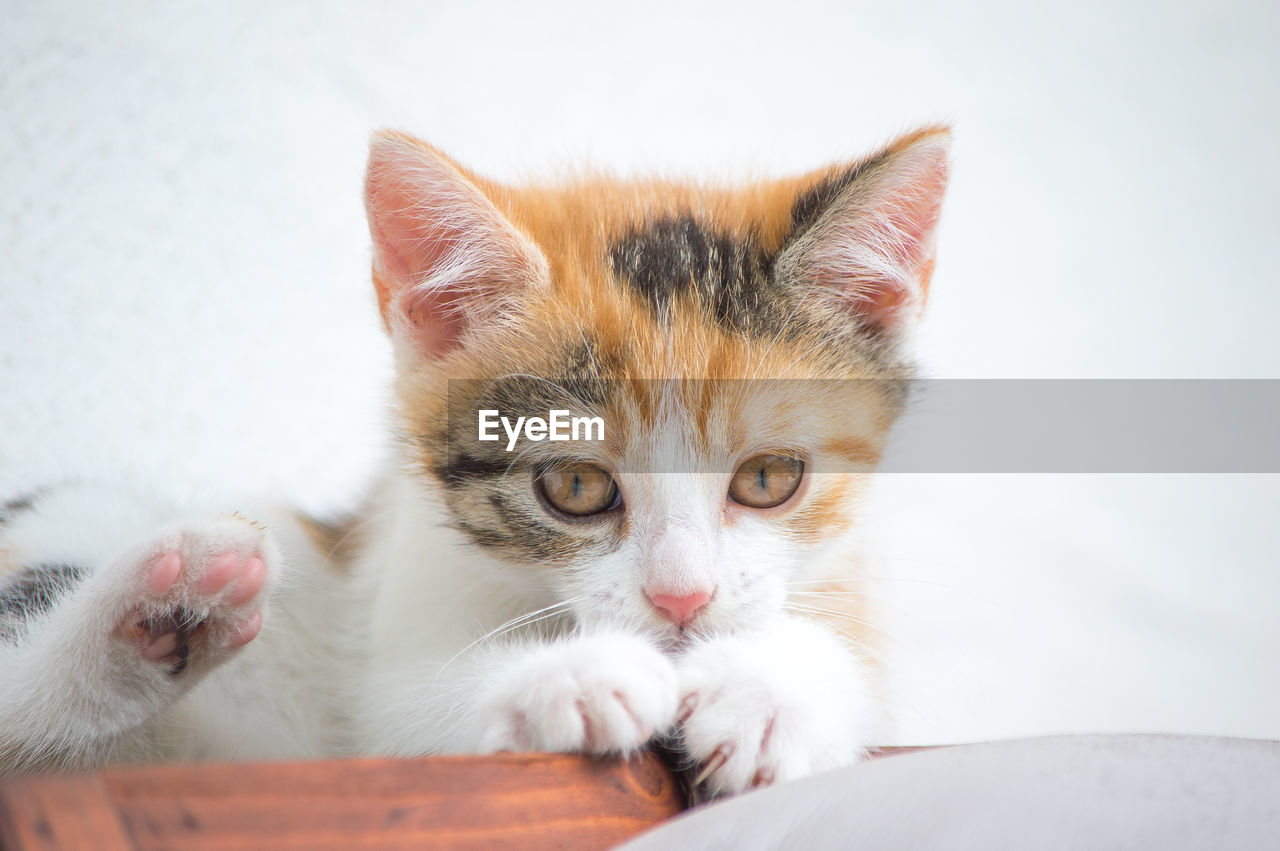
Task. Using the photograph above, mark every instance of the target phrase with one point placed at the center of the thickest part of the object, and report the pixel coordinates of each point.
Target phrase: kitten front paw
(197, 596)
(754, 712)
(596, 694)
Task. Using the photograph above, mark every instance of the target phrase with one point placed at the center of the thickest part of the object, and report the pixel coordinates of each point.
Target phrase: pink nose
(680, 610)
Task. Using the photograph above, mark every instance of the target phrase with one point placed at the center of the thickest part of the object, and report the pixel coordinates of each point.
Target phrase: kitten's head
(744, 349)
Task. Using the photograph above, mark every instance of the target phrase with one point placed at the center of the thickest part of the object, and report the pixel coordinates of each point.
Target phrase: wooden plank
(899, 750)
(517, 800)
(60, 812)
(510, 800)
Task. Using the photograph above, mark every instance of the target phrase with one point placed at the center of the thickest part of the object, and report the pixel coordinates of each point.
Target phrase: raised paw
(199, 594)
(606, 693)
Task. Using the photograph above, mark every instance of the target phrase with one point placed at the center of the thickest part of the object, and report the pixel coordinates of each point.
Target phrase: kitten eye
(579, 489)
(766, 480)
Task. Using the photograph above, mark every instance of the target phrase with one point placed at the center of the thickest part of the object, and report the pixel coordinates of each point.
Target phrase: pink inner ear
(444, 256)
(875, 251)
(436, 322)
(914, 220)
(407, 248)
(884, 303)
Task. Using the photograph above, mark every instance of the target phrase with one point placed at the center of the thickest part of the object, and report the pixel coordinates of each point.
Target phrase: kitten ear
(862, 241)
(445, 259)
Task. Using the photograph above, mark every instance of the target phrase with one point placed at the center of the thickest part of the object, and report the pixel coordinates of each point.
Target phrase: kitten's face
(742, 348)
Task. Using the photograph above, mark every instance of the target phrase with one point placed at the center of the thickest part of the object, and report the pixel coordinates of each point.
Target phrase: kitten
(688, 572)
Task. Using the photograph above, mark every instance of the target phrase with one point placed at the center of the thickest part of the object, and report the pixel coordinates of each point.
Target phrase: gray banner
(1088, 426)
(944, 426)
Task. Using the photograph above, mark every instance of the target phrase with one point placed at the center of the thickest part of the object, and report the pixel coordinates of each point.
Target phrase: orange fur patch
(338, 541)
(9, 560)
(860, 453)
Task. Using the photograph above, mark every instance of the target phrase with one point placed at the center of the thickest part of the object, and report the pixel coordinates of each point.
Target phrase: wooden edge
(523, 800)
(899, 750)
(59, 812)
(526, 801)
(381, 775)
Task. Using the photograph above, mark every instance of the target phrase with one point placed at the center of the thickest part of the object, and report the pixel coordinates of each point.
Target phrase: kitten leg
(597, 693)
(90, 653)
(768, 707)
(603, 693)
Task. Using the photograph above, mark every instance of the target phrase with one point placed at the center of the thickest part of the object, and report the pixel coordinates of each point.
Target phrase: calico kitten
(690, 573)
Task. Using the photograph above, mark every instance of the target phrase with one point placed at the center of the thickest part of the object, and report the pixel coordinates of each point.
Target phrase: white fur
(408, 653)
(780, 703)
(429, 644)
(600, 693)
(439, 681)
(467, 653)
(74, 692)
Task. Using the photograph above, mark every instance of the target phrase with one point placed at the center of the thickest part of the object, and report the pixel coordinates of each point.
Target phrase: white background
(184, 296)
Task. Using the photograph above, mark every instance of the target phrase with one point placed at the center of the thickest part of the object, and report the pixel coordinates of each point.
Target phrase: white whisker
(834, 613)
(868, 579)
(855, 646)
(515, 623)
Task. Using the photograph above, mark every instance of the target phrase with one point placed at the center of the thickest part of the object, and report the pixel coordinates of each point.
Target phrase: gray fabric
(1134, 791)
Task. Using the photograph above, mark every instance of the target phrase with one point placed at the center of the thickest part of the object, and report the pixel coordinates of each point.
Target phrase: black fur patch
(678, 257)
(14, 507)
(496, 521)
(33, 591)
(810, 205)
(183, 624)
(529, 535)
(461, 467)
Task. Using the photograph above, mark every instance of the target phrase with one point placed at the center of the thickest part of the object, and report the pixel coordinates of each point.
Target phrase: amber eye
(579, 489)
(766, 480)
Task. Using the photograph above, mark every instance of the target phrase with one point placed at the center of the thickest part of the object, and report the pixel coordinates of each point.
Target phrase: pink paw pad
(251, 580)
(221, 570)
(247, 630)
(165, 638)
(197, 605)
(159, 646)
(164, 573)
